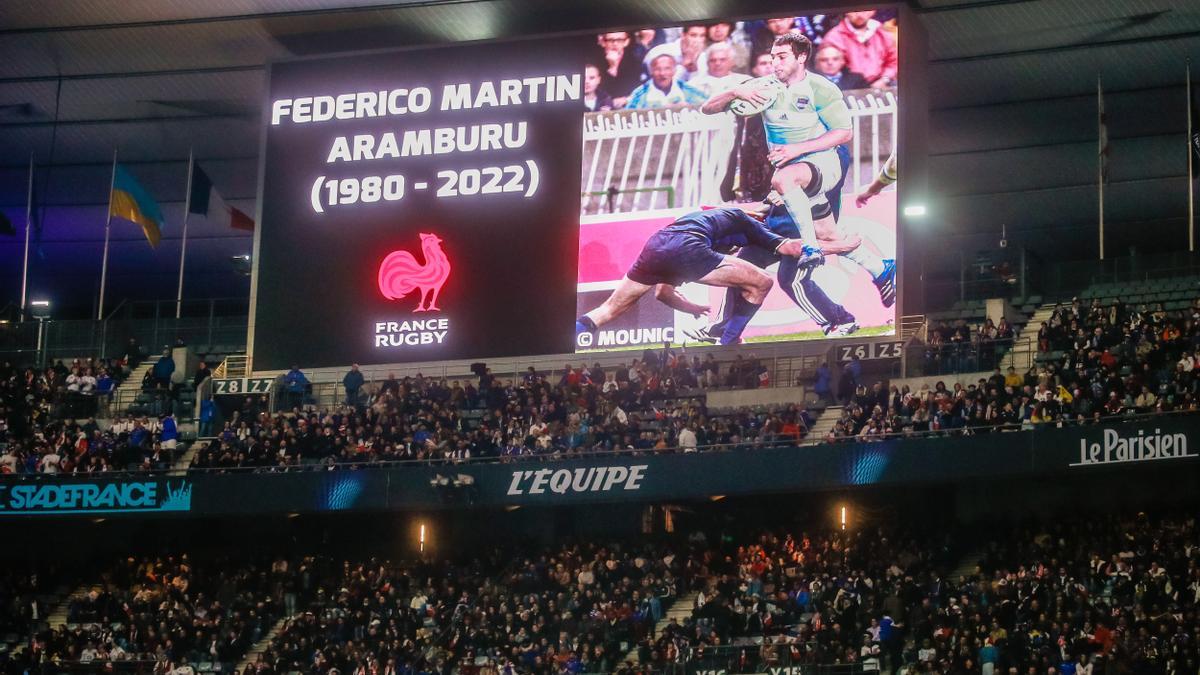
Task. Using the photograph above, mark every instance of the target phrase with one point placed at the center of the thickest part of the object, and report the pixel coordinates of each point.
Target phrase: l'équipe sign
(579, 480)
(70, 498)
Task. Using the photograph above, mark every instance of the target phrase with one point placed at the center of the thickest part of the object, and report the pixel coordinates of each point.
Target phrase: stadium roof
(1013, 89)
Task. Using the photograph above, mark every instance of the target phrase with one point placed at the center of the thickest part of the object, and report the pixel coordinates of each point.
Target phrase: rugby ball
(768, 86)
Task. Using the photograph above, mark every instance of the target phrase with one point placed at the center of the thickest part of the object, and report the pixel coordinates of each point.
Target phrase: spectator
(163, 369)
(208, 409)
(50, 463)
(869, 51)
(721, 33)
(353, 382)
(855, 368)
(686, 53)
(763, 65)
(822, 386)
(719, 76)
(202, 373)
(133, 354)
(831, 63)
(595, 99)
(170, 434)
(764, 38)
(296, 386)
(687, 439)
(663, 89)
(622, 64)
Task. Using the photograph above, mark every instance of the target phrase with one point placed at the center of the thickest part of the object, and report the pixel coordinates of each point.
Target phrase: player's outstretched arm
(843, 245)
(670, 296)
(887, 176)
(718, 103)
(865, 196)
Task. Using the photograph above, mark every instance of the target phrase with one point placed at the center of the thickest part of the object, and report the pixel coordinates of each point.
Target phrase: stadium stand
(173, 608)
(586, 410)
(1093, 361)
(1053, 594)
(575, 608)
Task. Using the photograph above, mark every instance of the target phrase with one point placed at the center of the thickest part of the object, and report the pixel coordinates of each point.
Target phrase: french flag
(206, 201)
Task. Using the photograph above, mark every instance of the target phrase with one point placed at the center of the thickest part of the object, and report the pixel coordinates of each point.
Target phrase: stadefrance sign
(44, 498)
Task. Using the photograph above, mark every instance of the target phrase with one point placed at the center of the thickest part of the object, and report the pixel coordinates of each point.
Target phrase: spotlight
(39, 309)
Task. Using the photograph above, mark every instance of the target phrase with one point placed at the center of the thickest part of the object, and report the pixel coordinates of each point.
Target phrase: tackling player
(794, 277)
(806, 119)
(689, 249)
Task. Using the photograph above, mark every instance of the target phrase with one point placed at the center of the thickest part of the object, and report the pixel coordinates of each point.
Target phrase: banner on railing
(647, 477)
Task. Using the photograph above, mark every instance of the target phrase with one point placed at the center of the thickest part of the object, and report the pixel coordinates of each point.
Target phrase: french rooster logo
(401, 274)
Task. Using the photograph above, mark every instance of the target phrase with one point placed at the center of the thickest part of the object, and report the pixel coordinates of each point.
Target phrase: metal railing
(216, 325)
(784, 361)
(783, 367)
(968, 357)
(631, 155)
(794, 658)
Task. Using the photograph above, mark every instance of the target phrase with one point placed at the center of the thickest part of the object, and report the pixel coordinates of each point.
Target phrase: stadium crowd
(1059, 597)
(687, 64)
(655, 404)
(575, 608)
(1093, 362)
(1056, 595)
(168, 610)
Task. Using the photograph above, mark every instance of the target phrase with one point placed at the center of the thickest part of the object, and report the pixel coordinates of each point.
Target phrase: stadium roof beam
(225, 18)
(1059, 49)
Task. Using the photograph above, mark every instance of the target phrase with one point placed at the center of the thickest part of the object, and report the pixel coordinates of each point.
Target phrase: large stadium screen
(716, 182)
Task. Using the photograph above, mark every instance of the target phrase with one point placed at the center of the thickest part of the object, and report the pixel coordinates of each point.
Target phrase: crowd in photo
(654, 68)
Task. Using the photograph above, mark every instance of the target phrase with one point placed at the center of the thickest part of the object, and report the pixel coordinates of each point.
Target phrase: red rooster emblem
(400, 274)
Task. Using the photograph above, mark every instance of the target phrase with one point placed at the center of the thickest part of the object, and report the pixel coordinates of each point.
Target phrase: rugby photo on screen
(788, 118)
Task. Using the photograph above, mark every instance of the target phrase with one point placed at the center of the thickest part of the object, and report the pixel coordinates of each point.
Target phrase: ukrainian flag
(130, 201)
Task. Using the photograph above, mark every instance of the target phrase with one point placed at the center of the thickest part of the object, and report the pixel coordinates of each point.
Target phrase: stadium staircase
(61, 612)
(968, 566)
(55, 610)
(1024, 352)
(824, 423)
(50, 605)
(126, 394)
(680, 611)
(184, 462)
(261, 646)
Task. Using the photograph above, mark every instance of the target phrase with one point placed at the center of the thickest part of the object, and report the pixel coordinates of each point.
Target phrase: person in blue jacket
(296, 384)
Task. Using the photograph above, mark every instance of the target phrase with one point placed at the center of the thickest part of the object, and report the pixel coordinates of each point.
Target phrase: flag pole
(107, 223)
(29, 225)
(187, 209)
(1100, 157)
(1191, 149)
